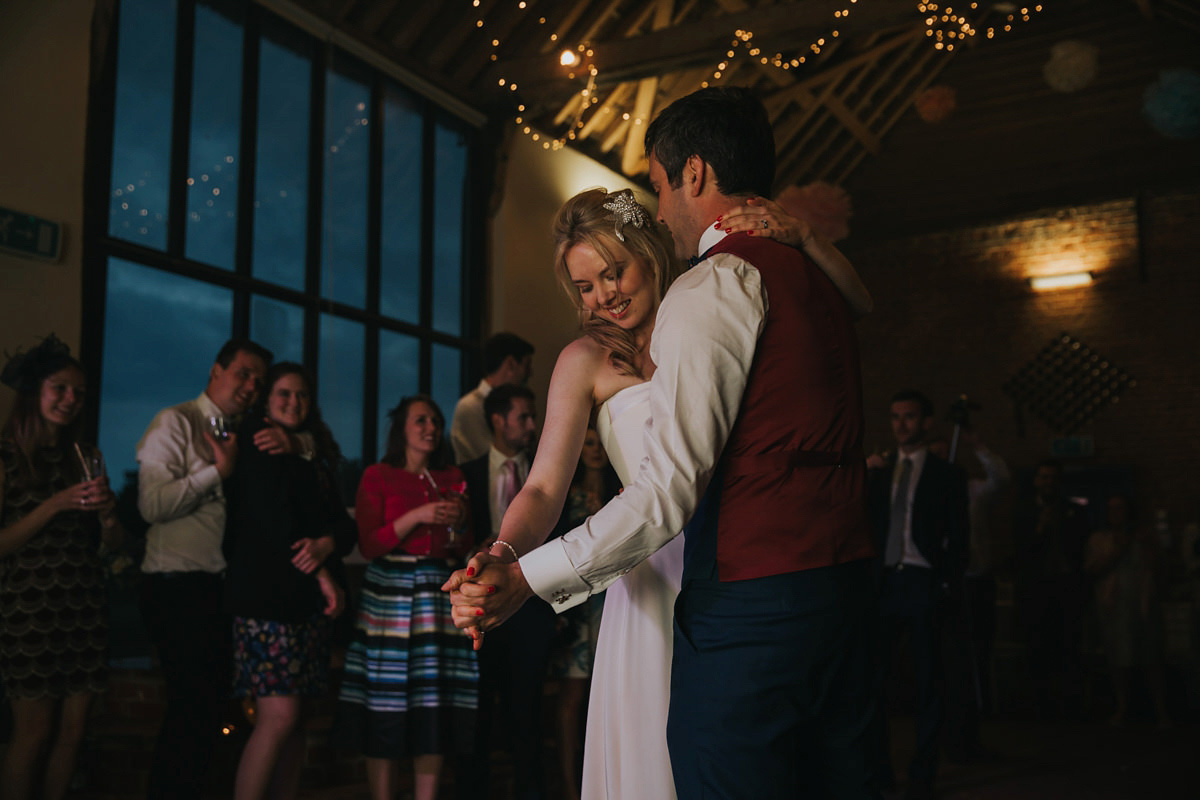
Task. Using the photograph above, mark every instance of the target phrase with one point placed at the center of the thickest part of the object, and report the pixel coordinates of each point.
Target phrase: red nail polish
(491, 590)
(479, 612)
(470, 571)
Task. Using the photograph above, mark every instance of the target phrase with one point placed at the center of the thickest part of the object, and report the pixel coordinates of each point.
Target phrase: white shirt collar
(496, 459)
(710, 237)
(917, 457)
(208, 406)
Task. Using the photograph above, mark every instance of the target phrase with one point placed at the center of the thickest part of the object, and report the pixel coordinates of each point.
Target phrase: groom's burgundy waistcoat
(789, 490)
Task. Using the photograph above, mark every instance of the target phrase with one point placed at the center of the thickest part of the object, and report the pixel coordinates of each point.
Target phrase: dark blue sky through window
(341, 381)
(278, 326)
(146, 370)
(281, 153)
(347, 152)
(142, 122)
(445, 381)
(400, 239)
(449, 193)
(212, 179)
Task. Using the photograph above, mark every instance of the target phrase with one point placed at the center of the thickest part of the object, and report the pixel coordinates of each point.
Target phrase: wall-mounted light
(1064, 280)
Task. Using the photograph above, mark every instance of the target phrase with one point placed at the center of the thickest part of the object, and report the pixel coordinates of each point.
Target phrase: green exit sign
(29, 236)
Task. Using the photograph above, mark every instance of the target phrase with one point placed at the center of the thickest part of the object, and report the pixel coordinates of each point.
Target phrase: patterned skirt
(272, 659)
(411, 678)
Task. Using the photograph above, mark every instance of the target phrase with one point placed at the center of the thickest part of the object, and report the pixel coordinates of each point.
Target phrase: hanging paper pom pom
(935, 103)
(1172, 103)
(1073, 65)
(823, 206)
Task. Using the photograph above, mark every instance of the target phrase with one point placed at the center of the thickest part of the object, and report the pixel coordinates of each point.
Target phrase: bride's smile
(621, 291)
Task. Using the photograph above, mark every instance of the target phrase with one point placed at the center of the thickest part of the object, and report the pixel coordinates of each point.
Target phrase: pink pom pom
(823, 206)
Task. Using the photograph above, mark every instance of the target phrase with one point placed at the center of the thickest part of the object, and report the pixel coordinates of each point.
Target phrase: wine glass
(455, 492)
(219, 427)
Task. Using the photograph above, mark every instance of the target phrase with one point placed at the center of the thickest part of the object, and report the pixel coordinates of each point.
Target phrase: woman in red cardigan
(411, 679)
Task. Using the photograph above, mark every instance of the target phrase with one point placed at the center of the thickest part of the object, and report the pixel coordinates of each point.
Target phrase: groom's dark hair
(728, 127)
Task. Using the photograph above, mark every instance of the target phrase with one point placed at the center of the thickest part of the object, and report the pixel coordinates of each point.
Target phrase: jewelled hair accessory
(626, 210)
(24, 370)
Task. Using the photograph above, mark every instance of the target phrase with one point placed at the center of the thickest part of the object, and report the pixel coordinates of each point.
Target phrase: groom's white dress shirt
(703, 345)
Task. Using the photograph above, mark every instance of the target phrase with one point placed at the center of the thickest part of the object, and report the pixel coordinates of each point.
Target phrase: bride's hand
(762, 217)
(498, 591)
(468, 575)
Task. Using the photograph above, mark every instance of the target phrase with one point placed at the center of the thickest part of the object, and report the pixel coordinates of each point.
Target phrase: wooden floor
(1029, 761)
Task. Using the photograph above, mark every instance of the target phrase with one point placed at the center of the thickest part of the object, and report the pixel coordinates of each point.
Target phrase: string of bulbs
(946, 27)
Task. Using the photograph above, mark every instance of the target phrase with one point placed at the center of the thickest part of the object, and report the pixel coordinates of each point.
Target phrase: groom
(755, 447)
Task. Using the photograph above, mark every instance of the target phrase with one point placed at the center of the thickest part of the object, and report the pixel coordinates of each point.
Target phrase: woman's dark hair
(612, 481)
(396, 443)
(327, 449)
(25, 372)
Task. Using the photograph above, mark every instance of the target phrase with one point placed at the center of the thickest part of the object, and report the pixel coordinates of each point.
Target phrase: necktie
(509, 484)
(895, 540)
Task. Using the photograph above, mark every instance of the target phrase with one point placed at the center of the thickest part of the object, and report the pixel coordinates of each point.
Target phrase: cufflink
(561, 596)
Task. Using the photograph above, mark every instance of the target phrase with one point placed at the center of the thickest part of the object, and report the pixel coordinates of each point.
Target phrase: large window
(249, 179)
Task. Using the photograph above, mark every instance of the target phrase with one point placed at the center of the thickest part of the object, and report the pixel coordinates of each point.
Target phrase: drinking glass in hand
(91, 462)
(219, 427)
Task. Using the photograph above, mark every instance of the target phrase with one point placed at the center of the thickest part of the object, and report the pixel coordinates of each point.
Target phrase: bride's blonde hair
(584, 220)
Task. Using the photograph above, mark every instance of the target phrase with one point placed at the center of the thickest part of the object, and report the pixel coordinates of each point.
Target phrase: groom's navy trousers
(790, 657)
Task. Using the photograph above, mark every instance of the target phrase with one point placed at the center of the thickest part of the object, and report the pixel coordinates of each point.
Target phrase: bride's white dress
(625, 752)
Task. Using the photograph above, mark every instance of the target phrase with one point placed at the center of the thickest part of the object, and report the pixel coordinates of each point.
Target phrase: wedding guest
(594, 484)
(1050, 533)
(1123, 561)
(55, 508)
(507, 358)
(512, 668)
(411, 681)
(287, 529)
(182, 460)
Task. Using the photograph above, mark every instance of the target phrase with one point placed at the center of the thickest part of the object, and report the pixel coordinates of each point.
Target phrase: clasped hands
(486, 592)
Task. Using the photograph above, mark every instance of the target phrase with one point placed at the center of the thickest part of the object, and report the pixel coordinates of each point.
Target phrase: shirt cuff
(552, 576)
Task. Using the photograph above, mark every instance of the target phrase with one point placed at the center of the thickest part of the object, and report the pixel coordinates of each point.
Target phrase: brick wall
(956, 314)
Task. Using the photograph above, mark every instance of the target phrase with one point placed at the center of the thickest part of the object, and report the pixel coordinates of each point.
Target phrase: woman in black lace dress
(53, 611)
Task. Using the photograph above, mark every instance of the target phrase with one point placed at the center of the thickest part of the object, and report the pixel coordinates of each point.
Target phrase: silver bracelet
(509, 546)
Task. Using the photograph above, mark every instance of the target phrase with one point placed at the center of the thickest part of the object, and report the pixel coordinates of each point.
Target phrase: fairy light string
(946, 27)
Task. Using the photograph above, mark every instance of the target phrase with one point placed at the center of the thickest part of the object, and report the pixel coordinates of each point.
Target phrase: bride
(616, 266)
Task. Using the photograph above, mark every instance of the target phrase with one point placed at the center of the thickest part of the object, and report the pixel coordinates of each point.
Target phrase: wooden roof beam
(778, 28)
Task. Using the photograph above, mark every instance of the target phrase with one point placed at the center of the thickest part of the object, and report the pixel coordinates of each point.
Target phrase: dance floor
(1027, 761)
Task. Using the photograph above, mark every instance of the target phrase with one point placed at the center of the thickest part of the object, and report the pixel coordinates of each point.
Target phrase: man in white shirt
(770, 697)
(918, 505)
(507, 358)
(182, 461)
(512, 668)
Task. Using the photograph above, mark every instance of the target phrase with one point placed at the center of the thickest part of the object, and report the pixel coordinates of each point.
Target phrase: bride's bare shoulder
(584, 352)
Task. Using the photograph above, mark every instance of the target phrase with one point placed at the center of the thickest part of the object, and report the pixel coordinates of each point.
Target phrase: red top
(387, 493)
(793, 494)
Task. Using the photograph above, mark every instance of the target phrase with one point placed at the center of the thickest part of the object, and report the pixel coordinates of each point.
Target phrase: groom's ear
(695, 175)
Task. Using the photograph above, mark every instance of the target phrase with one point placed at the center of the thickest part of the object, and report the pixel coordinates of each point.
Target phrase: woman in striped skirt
(411, 679)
